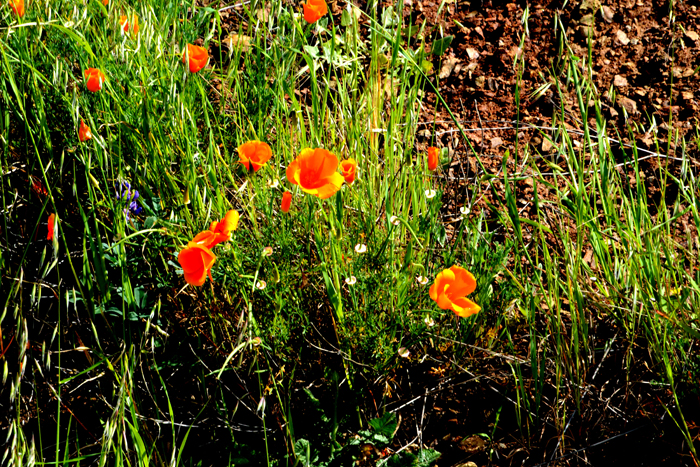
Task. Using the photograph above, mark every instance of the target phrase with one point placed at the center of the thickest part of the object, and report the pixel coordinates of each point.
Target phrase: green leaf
(385, 425)
(440, 45)
(302, 448)
(425, 458)
(345, 19)
(312, 51)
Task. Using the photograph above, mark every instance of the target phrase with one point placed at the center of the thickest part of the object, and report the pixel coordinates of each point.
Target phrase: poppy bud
(433, 158)
(286, 201)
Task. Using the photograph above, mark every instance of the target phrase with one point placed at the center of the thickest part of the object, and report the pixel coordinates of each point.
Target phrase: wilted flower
(314, 170)
(255, 341)
(422, 280)
(352, 280)
(94, 79)
(260, 285)
(255, 154)
(464, 211)
(348, 168)
(450, 289)
(286, 201)
(394, 220)
(52, 225)
(129, 196)
(360, 248)
(84, 132)
(314, 10)
(430, 194)
(429, 321)
(267, 251)
(18, 7)
(433, 158)
(125, 25)
(196, 56)
(273, 183)
(404, 352)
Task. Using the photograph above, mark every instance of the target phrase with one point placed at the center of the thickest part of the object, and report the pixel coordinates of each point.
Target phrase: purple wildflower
(129, 197)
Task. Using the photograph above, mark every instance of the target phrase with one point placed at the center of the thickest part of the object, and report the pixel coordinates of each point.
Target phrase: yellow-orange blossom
(450, 289)
(197, 259)
(315, 171)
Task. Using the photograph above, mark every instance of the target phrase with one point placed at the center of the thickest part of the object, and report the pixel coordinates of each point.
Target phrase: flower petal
(464, 282)
(463, 307)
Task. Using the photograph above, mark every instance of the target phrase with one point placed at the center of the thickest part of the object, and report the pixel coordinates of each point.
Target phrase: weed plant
(110, 358)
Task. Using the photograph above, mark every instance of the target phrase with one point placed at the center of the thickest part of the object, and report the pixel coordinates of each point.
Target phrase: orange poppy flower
(105, 2)
(196, 261)
(286, 201)
(314, 170)
(314, 10)
(450, 289)
(124, 22)
(348, 168)
(198, 57)
(255, 153)
(227, 225)
(94, 79)
(84, 132)
(18, 7)
(52, 224)
(433, 158)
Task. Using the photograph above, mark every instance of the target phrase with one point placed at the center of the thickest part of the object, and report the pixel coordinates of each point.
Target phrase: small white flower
(351, 280)
(404, 352)
(430, 194)
(273, 183)
(593, 279)
(422, 280)
(429, 321)
(267, 251)
(261, 285)
(464, 211)
(360, 248)
(394, 220)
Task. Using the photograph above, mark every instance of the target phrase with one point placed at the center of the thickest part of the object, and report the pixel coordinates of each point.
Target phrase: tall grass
(109, 357)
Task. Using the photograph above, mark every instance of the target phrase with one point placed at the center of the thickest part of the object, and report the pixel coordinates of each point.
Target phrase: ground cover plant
(269, 233)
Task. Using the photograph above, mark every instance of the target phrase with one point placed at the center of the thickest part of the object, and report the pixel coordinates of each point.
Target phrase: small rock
(546, 145)
(236, 41)
(495, 142)
(473, 444)
(621, 37)
(620, 81)
(480, 81)
(687, 95)
(447, 66)
(608, 13)
(692, 35)
(472, 53)
(586, 20)
(628, 104)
